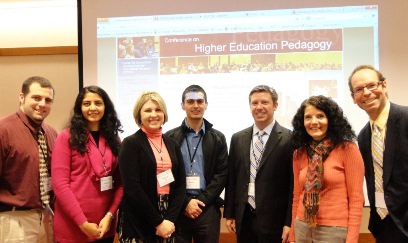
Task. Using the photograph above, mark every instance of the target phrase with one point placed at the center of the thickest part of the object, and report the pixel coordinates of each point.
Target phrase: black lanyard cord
(195, 151)
(102, 154)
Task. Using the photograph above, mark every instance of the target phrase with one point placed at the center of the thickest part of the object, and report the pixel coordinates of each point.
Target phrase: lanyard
(195, 151)
(102, 154)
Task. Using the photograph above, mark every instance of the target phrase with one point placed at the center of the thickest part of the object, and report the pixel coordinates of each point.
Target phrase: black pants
(130, 233)
(250, 232)
(389, 232)
(204, 229)
(106, 240)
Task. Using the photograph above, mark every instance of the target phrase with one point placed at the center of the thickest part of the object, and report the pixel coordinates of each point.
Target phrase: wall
(61, 70)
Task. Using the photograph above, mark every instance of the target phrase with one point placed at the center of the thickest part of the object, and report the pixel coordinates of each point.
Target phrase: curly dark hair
(109, 125)
(338, 129)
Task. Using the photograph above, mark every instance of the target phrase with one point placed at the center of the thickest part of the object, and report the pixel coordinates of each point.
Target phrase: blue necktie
(256, 155)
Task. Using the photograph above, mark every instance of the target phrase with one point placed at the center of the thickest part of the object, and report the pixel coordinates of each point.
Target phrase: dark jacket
(215, 162)
(395, 169)
(273, 183)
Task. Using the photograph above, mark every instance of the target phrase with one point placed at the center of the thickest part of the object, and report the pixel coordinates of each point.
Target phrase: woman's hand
(165, 229)
(90, 229)
(104, 225)
(285, 234)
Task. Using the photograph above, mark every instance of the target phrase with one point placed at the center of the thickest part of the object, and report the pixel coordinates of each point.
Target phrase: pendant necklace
(158, 150)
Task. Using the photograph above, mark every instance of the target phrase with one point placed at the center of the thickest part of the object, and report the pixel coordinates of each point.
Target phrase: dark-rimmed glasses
(370, 87)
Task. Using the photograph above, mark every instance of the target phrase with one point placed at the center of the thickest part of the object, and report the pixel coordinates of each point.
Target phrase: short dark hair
(264, 88)
(43, 82)
(361, 67)
(193, 88)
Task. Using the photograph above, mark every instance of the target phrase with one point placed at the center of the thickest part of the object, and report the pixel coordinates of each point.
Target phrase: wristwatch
(110, 214)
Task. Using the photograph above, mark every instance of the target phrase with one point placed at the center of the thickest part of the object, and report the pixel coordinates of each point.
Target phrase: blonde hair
(143, 98)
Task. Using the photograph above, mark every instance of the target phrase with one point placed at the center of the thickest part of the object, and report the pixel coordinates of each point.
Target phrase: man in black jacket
(383, 143)
(205, 157)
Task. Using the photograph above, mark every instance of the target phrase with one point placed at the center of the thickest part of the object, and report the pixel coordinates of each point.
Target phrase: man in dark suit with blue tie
(258, 197)
(383, 143)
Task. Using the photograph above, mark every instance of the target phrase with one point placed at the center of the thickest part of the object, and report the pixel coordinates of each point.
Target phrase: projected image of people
(323, 87)
(250, 63)
(137, 47)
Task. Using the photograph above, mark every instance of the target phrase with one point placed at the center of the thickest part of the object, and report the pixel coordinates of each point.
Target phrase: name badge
(251, 189)
(47, 184)
(193, 182)
(165, 178)
(379, 200)
(106, 183)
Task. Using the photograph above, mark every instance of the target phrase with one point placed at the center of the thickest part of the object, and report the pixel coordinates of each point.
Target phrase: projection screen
(299, 48)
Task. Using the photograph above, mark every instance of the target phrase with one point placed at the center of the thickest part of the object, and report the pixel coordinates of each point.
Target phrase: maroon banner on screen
(323, 40)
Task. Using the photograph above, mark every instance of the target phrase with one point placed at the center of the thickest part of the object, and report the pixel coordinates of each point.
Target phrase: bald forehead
(365, 74)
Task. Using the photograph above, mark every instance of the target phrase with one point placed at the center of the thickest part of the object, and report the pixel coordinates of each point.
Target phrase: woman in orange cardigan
(328, 175)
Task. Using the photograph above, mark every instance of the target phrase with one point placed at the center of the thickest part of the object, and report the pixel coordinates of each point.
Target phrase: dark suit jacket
(273, 183)
(395, 169)
(137, 166)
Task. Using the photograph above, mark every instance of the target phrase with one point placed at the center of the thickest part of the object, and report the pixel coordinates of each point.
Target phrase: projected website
(299, 52)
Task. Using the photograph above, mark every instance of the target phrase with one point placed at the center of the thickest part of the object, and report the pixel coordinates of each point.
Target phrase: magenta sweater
(77, 187)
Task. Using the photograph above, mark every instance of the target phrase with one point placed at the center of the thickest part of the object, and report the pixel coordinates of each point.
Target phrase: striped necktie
(256, 155)
(43, 156)
(377, 151)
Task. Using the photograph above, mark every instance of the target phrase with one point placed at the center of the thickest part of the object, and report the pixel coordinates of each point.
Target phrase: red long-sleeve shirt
(19, 165)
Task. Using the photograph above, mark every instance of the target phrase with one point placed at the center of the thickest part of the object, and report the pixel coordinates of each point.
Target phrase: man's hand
(285, 234)
(231, 225)
(193, 209)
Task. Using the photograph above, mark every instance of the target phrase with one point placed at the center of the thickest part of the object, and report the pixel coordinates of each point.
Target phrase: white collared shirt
(267, 132)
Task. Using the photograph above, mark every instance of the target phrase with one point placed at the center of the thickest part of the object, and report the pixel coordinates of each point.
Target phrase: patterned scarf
(318, 153)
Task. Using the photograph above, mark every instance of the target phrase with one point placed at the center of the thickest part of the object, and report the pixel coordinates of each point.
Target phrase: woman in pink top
(328, 175)
(85, 175)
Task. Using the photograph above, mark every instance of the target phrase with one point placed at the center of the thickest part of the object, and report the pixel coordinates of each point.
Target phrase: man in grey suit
(383, 143)
(258, 198)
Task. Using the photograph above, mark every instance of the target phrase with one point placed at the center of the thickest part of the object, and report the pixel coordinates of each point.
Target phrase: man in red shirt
(25, 212)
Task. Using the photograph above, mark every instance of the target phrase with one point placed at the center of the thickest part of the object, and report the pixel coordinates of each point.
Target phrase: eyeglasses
(370, 87)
